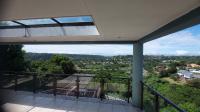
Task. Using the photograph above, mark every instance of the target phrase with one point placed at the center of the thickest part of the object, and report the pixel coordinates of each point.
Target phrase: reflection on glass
(75, 19)
(8, 23)
(36, 21)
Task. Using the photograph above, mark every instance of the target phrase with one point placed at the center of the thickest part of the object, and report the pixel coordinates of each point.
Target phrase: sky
(185, 42)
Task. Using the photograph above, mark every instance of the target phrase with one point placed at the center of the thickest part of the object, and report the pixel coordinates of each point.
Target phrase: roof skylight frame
(55, 23)
(83, 26)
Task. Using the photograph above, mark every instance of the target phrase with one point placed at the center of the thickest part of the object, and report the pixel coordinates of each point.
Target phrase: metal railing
(69, 85)
(157, 96)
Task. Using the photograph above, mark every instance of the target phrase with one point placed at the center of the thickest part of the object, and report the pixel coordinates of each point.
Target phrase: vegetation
(12, 58)
(194, 83)
(56, 64)
(186, 95)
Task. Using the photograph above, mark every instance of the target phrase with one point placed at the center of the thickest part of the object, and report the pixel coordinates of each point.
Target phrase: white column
(137, 74)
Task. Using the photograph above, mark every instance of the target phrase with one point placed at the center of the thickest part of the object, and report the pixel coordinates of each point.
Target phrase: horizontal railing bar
(165, 99)
(53, 74)
(49, 25)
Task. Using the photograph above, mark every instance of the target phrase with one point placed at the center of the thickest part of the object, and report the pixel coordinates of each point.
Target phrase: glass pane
(36, 21)
(45, 31)
(8, 23)
(75, 19)
(81, 30)
(19, 32)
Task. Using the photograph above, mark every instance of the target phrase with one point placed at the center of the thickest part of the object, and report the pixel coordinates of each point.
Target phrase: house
(195, 71)
(185, 74)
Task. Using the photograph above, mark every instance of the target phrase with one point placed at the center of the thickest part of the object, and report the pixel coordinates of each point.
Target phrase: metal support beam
(188, 20)
(23, 25)
(61, 25)
(137, 74)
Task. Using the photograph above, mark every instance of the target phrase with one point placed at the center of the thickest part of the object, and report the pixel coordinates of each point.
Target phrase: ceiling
(116, 20)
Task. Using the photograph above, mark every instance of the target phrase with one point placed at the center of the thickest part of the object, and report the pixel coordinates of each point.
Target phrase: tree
(163, 73)
(65, 63)
(12, 58)
(53, 68)
(172, 68)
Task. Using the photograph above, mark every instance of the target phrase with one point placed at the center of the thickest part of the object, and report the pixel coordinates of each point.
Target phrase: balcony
(33, 92)
(64, 93)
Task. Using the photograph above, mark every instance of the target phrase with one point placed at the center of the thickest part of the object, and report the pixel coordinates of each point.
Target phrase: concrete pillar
(137, 73)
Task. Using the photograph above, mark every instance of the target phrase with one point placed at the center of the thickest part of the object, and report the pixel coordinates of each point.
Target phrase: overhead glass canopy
(61, 26)
(36, 21)
(75, 19)
(8, 23)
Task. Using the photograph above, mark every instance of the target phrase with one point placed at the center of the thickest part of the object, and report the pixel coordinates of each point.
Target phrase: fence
(157, 98)
(77, 85)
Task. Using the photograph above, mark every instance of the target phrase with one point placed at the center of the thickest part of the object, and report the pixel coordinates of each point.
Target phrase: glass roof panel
(45, 31)
(81, 30)
(8, 23)
(43, 27)
(75, 19)
(20, 32)
(36, 21)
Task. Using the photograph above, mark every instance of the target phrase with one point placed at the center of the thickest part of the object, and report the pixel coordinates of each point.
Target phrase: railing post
(16, 81)
(34, 83)
(55, 85)
(156, 103)
(128, 89)
(102, 81)
(142, 96)
(77, 87)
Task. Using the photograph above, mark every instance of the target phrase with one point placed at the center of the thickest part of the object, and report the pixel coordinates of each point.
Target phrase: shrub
(194, 83)
(174, 77)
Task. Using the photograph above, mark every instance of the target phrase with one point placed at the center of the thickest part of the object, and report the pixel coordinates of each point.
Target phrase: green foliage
(56, 64)
(186, 96)
(179, 94)
(65, 63)
(12, 58)
(172, 68)
(102, 73)
(164, 73)
(190, 107)
(53, 68)
(194, 83)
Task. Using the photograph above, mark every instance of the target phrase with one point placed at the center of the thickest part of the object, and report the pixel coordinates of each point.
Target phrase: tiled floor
(28, 102)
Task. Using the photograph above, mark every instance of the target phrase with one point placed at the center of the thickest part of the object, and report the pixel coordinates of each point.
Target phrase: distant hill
(46, 56)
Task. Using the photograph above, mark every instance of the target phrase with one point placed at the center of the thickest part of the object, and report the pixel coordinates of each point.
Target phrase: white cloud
(181, 52)
(174, 43)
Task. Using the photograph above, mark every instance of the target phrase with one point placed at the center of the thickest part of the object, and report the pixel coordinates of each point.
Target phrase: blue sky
(185, 42)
